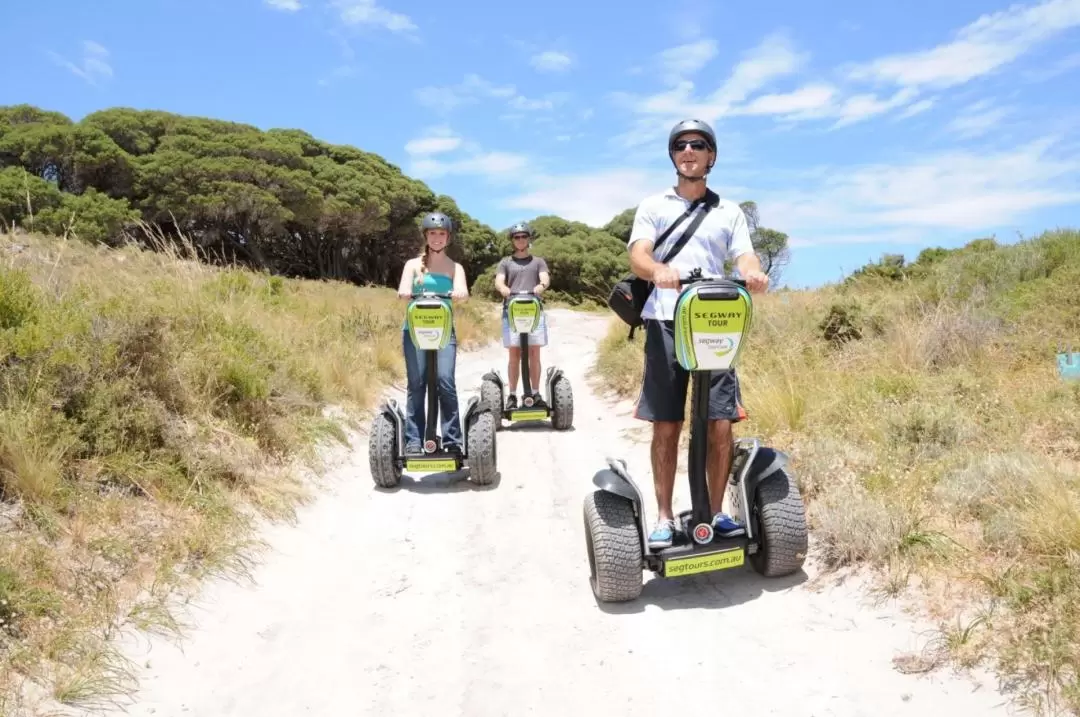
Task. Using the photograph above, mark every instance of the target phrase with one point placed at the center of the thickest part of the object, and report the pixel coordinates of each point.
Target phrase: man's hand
(538, 289)
(458, 294)
(505, 291)
(757, 280)
(666, 277)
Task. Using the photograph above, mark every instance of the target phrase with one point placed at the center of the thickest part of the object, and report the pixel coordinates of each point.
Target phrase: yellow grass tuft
(152, 407)
(933, 438)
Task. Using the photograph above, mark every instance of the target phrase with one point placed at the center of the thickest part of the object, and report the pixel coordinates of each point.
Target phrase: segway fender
(474, 407)
(615, 479)
(612, 482)
(391, 408)
(763, 463)
(553, 374)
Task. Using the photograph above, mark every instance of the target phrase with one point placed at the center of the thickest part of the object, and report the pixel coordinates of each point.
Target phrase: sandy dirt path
(443, 599)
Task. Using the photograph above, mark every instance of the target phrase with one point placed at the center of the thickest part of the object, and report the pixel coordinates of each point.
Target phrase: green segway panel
(524, 314)
(712, 319)
(431, 322)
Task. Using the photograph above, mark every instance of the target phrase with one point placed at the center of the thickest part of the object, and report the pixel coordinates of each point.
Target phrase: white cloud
(592, 198)
(980, 47)
(956, 190)
(487, 164)
(287, 5)
(94, 65)
(977, 119)
(436, 140)
(468, 91)
(682, 60)
(368, 12)
(552, 61)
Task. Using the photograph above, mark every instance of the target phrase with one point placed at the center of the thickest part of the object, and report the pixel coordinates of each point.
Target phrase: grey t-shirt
(521, 274)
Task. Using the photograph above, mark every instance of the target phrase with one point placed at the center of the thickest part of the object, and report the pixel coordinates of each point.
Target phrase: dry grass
(934, 440)
(151, 409)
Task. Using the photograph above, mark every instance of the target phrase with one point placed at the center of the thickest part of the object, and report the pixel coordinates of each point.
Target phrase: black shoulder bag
(628, 297)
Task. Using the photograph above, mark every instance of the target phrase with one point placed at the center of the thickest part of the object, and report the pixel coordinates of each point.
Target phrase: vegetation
(277, 200)
(151, 409)
(934, 440)
(188, 307)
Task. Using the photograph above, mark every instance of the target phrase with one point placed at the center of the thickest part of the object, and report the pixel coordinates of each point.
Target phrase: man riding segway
(521, 271)
(722, 232)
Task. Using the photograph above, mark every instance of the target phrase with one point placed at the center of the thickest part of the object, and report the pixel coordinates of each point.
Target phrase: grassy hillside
(935, 440)
(150, 409)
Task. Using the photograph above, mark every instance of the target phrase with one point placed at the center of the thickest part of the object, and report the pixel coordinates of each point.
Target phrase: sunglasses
(695, 144)
(520, 236)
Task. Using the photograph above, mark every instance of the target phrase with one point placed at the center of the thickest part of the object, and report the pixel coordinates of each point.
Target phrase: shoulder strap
(667, 232)
(710, 200)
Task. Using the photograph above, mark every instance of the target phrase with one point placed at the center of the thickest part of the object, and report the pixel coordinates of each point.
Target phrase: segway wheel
(382, 442)
(781, 518)
(491, 396)
(481, 440)
(562, 404)
(613, 542)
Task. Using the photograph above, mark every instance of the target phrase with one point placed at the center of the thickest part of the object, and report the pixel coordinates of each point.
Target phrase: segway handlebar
(695, 276)
(431, 295)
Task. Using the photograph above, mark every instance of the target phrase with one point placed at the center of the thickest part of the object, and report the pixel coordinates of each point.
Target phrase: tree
(770, 245)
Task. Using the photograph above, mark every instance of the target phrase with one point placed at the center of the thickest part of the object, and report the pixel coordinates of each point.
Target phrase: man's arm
(544, 274)
(742, 249)
(500, 278)
(641, 243)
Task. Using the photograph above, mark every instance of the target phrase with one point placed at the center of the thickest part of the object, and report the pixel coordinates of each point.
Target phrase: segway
(524, 311)
(429, 318)
(712, 321)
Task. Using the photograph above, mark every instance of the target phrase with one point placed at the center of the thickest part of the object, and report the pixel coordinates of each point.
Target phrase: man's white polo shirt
(723, 233)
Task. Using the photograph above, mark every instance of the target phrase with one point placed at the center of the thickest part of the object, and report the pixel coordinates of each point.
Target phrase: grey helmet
(437, 220)
(691, 125)
(522, 228)
(685, 127)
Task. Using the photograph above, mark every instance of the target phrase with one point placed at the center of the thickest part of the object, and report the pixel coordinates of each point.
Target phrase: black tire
(781, 519)
(491, 396)
(562, 404)
(382, 450)
(613, 541)
(481, 440)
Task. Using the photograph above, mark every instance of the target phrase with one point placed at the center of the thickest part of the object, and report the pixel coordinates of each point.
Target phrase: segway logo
(717, 319)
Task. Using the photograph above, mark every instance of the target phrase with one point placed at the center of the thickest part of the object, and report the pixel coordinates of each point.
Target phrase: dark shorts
(664, 383)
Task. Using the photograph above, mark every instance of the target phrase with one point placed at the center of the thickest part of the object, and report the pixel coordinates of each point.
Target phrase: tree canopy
(278, 200)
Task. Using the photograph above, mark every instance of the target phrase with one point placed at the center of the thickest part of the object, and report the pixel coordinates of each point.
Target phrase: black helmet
(522, 228)
(437, 220)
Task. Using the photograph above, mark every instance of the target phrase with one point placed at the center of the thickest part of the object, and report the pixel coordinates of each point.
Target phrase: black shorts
(664, 382)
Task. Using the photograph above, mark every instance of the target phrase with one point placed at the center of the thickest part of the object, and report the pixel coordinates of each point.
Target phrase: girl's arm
(461, 287)
(405, 285)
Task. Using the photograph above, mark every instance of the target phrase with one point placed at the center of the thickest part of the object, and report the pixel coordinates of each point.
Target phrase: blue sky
(859, 128)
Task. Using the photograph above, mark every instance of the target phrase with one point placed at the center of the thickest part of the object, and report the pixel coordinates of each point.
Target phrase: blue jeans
(416, 400)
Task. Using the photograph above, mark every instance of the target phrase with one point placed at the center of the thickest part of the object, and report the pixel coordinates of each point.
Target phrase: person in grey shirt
(521, 271)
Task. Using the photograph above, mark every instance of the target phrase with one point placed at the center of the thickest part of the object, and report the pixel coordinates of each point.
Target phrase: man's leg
(725, 408)
(537, 340)
(662, 401)
(513, 361)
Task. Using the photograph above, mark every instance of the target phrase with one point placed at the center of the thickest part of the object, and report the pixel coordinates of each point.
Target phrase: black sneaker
(511, 402)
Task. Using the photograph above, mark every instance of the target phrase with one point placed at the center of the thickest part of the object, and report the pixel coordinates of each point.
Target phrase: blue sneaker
(662, 534)
(725, 526)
